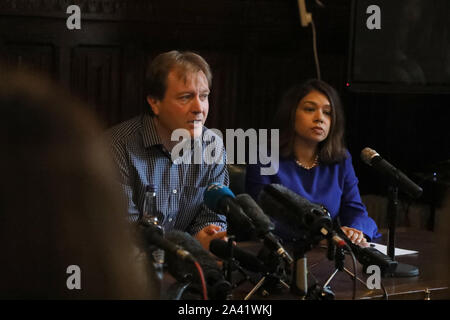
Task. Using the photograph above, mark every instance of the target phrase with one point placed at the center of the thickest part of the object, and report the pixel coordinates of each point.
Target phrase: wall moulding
(200, 12)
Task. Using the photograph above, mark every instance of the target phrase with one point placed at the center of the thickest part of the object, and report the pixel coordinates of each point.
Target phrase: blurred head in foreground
(58, 201)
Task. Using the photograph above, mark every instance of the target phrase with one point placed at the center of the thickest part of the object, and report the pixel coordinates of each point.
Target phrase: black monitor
(399, 46)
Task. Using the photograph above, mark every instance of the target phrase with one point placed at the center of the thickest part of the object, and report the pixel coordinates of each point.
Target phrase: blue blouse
(335, 186)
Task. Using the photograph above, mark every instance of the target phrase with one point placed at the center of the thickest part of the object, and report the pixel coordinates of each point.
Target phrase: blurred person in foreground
(59, 204)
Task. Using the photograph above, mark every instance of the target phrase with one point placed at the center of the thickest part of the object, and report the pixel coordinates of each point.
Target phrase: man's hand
(356, 236)
(209, 233)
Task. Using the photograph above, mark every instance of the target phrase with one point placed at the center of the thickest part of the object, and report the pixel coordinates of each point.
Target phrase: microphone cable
(316, 57)
(354, 275)
(344, 253)
(202, 279)
(344, 244)
(385, 294)
(354, 270)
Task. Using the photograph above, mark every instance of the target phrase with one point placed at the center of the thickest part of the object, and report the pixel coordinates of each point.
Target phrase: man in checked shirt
(177, 89)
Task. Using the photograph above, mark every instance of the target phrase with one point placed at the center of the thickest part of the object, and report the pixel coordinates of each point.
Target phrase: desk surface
(431, 283)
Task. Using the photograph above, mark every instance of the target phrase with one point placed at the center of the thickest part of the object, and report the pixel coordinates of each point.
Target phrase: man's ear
(154, 104)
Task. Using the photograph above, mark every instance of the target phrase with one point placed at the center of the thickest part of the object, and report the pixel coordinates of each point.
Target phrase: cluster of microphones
(251, 220)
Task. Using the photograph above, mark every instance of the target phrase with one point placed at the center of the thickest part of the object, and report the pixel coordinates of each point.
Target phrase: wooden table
(430, 284)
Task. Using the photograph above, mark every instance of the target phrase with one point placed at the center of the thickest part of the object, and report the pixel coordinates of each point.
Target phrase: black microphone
(263, 225)
(368, 256)
(221, 199)
(311, 222)
(218, 287)
(261, 221)
(372, 158)
(154, 234)
(246, 259)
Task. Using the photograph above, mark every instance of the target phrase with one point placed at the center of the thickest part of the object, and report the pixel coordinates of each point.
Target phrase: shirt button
(174, 190)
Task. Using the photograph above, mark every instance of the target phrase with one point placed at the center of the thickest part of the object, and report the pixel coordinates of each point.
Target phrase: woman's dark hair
(332, 149)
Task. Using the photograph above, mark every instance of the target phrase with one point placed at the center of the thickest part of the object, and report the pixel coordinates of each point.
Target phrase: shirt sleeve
(123, 168)
(206, 216)
(353, 213)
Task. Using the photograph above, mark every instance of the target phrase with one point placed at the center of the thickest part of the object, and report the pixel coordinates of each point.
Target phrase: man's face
(185, 103)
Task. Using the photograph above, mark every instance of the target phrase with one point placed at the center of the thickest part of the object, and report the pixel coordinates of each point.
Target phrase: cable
(202, 278)
(320, 4)
(354, 276)
(316, 57)
(385, 296)
(354, 270)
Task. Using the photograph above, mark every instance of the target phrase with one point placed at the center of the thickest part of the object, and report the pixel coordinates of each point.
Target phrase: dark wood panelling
(96, 76)
(256, 49)
(224, 91)
(37, 57)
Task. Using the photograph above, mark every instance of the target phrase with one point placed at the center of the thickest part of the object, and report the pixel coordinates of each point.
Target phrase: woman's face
(313, 118)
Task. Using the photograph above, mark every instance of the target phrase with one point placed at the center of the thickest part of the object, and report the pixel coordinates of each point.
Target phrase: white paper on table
(398, 252)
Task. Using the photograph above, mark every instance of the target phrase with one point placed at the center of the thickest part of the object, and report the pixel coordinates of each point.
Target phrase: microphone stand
(232, 264)
(402, 269)
(346, 271)
(231, 261)
(271, 278)
(267, 278)
(299, 281)
(338, 255)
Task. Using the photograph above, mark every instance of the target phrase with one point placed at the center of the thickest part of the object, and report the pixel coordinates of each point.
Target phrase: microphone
(310, 221)
(218, 287)
(263, 225)
(220, 198)
(154, 234)
(373, 159)
(368, 256)
(246, 259)
(262, 222)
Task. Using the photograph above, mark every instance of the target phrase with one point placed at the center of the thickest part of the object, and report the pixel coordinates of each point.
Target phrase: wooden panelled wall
(256, 49)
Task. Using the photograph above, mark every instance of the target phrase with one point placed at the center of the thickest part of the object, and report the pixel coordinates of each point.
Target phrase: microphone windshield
(185, 240)
(221, 199)
(214, 194)
(294, 212)
(367, 155)
(218, 288)
(253, 211)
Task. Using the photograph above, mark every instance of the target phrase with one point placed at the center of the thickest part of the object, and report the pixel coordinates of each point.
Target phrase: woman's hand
(356, 236)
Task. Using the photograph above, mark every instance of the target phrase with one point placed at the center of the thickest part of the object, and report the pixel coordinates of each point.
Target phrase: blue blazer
(335, 186)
